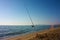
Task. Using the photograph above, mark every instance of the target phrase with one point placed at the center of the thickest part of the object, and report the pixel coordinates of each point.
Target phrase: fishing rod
(30, 17)
(28, 14)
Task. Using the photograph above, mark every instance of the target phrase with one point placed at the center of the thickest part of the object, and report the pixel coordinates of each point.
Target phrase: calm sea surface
(7, 31)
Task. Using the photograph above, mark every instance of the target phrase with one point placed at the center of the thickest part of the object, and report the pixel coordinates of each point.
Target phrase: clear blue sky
(13, 12)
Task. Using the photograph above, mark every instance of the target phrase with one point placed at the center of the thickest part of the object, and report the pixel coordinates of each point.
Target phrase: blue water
(19, 30)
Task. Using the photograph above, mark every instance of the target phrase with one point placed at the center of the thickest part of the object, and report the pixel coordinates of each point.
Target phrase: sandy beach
(51, 34)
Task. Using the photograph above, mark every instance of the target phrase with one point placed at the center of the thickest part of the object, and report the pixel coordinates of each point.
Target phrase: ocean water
(7, 31)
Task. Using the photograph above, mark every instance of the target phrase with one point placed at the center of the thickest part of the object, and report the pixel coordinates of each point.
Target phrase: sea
(15, 30)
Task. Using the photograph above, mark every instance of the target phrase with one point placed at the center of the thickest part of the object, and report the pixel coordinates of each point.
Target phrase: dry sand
(51, 34)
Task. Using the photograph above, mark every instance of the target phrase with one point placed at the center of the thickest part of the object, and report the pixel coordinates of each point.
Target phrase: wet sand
(51, 34)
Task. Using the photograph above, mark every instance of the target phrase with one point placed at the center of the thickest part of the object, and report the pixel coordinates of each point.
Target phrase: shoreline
(32, 36)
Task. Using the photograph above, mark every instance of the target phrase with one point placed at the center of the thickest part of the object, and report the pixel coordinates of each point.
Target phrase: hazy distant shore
(51, 34)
